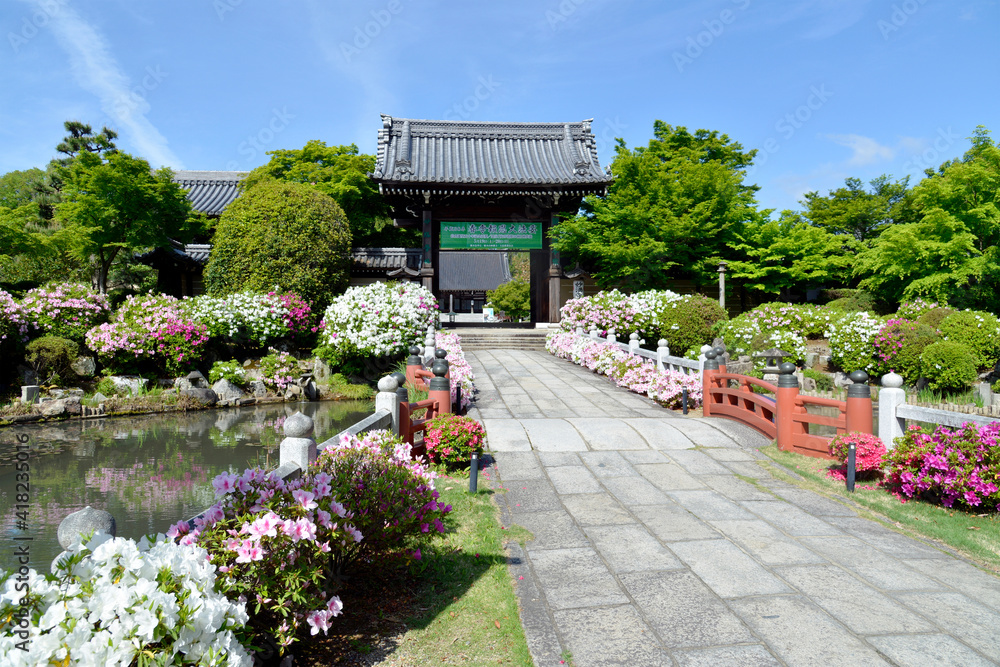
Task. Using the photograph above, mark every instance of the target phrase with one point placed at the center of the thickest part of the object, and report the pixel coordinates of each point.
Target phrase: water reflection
(148, 471)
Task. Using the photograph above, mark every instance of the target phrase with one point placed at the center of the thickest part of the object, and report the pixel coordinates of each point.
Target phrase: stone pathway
(658, 540)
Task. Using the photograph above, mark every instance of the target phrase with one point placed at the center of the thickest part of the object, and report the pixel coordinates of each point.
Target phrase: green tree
(283, 235)
(113, 203)
(854, 211)
(671, 212)
(342, 173)
(952, 252)
(18, 188)
(778, 255)
(513, 298)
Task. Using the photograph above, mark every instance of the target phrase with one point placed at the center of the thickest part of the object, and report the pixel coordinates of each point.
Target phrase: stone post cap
(414, 351)
(860, 388)
(892, 380)
(786, 375)
(388, 384)
(661, 343)
(711, 354)
(441, 353)
(633, 336)
(298, 426)
(83, 522)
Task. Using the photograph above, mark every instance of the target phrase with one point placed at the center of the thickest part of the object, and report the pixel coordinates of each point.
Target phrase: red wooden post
(859, 405)
(439, 389)
(413, 364)
(708, 372)
(787, 391)
(405, 430)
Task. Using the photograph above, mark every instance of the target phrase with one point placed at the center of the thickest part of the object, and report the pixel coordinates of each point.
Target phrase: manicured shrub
(513, 298)
(948, 366)
(459, 369)
(854, 301)
(979, 330)
(271, 541)
(231, 370)
(12, 321)
(609, 309)
(112, 601)
(252, 318)
(759, 330)
(51, 356)
(390, 498)
(687, 322)
(912, 310)
(150, 330)
(376, 320)
(67, 310)
(957, 468)
(868, 453)
(899, 344)
(852, 342)
(823, 381)
(279, 369)
(284, 234)
(935, 316)
(451, 439)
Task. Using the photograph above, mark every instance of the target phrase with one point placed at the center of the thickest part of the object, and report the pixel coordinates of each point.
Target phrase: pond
(149, 471)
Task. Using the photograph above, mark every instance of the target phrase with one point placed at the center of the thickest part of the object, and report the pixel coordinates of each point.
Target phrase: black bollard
(850, 467)
(474, 473)
(684, 400)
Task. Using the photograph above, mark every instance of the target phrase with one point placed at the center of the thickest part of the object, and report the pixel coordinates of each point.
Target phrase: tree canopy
(854, 211)
(672, 211)
(281, 235)
(342, 173)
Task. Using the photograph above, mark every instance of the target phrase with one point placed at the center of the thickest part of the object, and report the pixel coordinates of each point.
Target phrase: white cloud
(96, 71)
(865, 150)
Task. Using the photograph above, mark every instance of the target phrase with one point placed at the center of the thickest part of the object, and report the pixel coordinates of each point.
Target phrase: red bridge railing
(785, 417)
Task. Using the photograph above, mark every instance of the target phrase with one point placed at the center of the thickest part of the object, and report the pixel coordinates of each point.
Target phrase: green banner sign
(491, 236)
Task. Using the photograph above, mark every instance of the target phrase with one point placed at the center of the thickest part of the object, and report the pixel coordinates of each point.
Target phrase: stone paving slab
(649, 550)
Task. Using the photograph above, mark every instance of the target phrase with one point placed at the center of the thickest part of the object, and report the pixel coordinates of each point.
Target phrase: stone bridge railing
(661, 357)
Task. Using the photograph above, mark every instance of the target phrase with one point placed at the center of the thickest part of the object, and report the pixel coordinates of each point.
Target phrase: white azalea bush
(113, 601)
(251, 317)
(852, 342)
(376, 320)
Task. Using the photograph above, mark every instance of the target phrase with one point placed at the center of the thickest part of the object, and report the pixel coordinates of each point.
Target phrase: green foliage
(995, 387)
(978, 330)
(671, 212)
(779, 255)
(912, 310)
(281, 234)
(106, 387)
(18, 188)
(823, 381)
(949, 366)
(451, 439)
(51, 356)
(854, 301)
(341, 386)
(899, 345)
(118, 204)
(689, 322)
(513, 298)
(231, 370)
(852, 342)
(342, 173)
(853, 211)
(935, 316)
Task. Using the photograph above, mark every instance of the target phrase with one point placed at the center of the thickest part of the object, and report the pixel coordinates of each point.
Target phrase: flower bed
(251, 317)
(67, 310)
(626, 370)
(460, 370)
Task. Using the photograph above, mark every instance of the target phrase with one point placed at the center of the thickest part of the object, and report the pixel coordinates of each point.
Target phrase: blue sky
(824, 89)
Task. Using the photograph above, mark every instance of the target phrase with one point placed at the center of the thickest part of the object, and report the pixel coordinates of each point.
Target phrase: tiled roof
(210, 192)
(412, 151)
(386, 259)
(472, 271)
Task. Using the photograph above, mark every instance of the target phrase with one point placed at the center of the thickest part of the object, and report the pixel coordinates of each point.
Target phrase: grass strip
(975, 535)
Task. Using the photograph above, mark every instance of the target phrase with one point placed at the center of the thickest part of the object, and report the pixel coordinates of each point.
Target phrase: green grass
(975, 535)
(467, 607)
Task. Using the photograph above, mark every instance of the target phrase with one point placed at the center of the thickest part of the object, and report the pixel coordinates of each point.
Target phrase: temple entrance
(499, 187)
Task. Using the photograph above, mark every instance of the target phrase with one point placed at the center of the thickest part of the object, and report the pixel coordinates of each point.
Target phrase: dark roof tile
(210, 192)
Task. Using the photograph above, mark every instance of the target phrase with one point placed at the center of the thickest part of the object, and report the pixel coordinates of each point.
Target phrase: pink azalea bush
(898, 346)
(67, 310)
(149, 328)
(279, 369)
(956, 467)
(605, 310)
(869, 451)
(451, 439)
(12, 320)
(391, 496)
(271, 541)
(627, 370)
(459, 369)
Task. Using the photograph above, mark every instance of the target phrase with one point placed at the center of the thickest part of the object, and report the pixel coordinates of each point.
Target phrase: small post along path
(652, 546)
